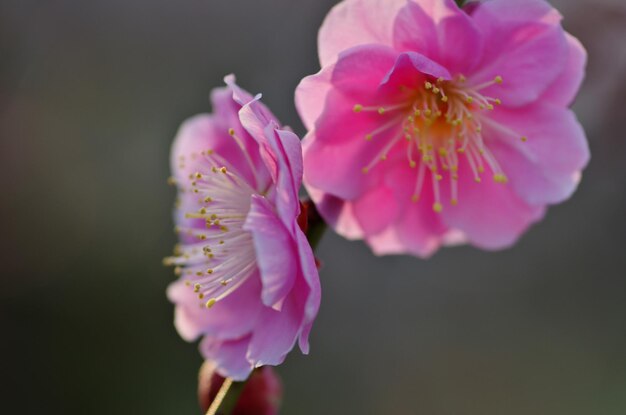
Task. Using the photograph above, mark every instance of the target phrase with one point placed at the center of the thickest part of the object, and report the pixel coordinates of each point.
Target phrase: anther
(500, 178)
(498, 79)
(358, 108)
(437, 207)
(231, 131)
(211, 302)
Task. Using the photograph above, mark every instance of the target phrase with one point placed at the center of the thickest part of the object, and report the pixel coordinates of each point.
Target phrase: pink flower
(248, 281)
(430, 125)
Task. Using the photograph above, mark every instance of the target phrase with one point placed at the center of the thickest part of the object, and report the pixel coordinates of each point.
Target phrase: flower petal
(275, 250)
(441, 31)
(490, 214)
(526, 47)
(229, 356)
(276, 333)
(564, 89)
(231, 317)
(356, 22)
(546, 168)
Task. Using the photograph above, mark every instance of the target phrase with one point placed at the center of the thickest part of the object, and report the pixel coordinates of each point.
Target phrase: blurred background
(91, 95)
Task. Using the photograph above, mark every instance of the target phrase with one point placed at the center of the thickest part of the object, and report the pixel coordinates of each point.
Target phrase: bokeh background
(91, 95)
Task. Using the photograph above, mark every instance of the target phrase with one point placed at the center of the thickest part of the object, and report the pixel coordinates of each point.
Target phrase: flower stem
(226, 398)
(316, 225)
(460, 2)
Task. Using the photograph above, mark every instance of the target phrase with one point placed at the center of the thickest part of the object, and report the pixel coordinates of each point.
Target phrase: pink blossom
(430, 125)
(248, 281)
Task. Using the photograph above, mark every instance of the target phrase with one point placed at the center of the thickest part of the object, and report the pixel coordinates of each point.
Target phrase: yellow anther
(231, 131)
(436, 90)
(368, 137)
(364, 170)
(439, 177)
(460, 150)
(221, 242)
(198, 175)
(428, 112)
(211, 302)
(178, 271)
(208, 199)
(223, 169)
(214, 169)
(202, 237)
(437, 207)
(490, 107)
(201, 296)
(443, 152)
(444, 99)
(224, 282)
(209, 271)
(498, 79)
(418, 113)
(415, 198)
(196, 191)
(381, 110)
(498, 101)
(383, 157)
(202, 211)
(524, 139)
(171, 181)
(500, 178)
(454, 202)
(196, 288)
(357, 108)
(439, 80)
(428, 85)
(188, 283)
(462, 78)
(477, 179)
(413, 164)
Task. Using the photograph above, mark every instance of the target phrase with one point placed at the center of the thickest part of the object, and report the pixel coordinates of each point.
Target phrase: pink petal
(564, 89)
(490, 214)
(312, 292)
(275, 334)
(337, 213)
(229, 356)
(546, 168)
(310, 96)
(376, 209)
(232, 317)
(525, 46)
(441, 31)
(275, 250)
(356, 22)
(417, 229)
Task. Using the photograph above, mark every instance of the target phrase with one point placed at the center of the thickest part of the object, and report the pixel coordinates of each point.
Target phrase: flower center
(222, 256)
(441, 122)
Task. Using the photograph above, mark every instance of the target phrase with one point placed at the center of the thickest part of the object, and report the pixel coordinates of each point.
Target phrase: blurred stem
(316, 225)
(227, 397)
(460, 2)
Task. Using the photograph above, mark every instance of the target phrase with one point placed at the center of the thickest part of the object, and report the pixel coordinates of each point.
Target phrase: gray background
(91, 94)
